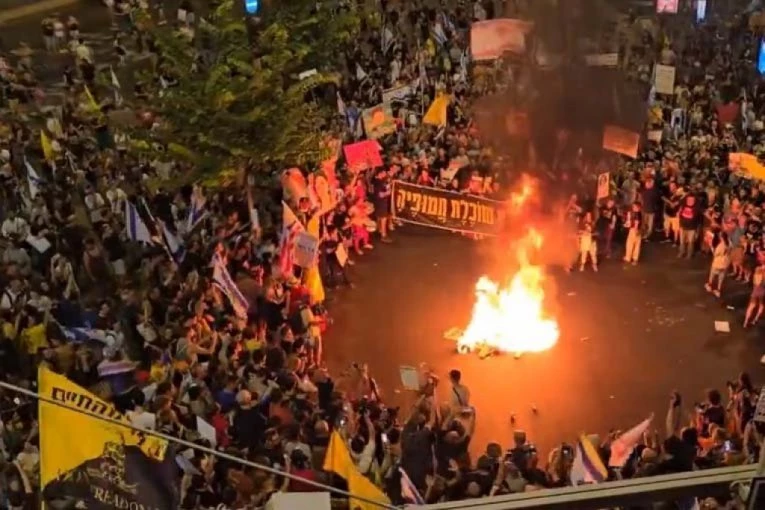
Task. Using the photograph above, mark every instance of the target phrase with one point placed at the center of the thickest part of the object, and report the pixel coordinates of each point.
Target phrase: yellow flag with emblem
(95, 463)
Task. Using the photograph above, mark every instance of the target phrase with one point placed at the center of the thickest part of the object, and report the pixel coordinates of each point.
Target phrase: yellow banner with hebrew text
(97, 464)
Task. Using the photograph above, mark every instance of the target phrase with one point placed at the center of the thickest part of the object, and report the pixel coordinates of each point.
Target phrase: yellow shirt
(9, 330)
(157, 372)
(34, 338)
(253, 344)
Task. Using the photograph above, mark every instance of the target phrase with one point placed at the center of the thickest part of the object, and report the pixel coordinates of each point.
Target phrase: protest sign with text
(621, 141)
(664, 79)
(449, 210)
(490, 39)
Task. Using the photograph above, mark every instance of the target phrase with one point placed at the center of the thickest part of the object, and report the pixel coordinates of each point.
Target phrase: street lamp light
(252, 7)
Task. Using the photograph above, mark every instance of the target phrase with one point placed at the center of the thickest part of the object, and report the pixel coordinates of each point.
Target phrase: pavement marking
(34, 8)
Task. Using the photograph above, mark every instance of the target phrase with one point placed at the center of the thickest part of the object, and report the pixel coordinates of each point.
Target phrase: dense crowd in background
(154, 336)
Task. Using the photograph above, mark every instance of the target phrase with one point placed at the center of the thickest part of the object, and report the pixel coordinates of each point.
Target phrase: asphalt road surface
(630, 335)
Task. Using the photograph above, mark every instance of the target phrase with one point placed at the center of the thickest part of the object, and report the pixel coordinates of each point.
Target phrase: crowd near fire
(198, 200)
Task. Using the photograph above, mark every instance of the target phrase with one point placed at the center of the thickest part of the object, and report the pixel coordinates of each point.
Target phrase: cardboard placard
(620, 140)
(363, 155)
(306, 248)
(410, 378)
(604, 185)
(602, 60)
(664, 79)
(379, 121)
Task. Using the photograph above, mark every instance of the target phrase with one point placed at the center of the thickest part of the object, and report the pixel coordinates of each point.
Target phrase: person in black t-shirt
(605, 226)
(689, 218)
(335, 269)
(381, 190)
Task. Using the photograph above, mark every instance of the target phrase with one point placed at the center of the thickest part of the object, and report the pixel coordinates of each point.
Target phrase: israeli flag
(408, 490)
(439, 35)
(174, 246)
(197, 212)
(136, 228)
(222, 279)
(80, 335)
(361, 74)
(386, 40)
(33, 179)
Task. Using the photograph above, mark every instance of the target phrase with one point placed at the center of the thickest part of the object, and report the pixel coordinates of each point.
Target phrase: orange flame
(512, 318)
(526, 191)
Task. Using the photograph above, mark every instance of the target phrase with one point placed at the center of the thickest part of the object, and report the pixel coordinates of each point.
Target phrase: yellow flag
(436, 114)
(47, 148)
(338, 459)
(314, 284)
(311, 275)
(359, 485)
(93, 104)
(69, 439)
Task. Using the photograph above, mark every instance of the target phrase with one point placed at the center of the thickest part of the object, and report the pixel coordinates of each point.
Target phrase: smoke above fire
(555, 103)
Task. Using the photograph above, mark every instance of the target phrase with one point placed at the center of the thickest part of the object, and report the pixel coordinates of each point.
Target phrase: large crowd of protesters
(173, 349)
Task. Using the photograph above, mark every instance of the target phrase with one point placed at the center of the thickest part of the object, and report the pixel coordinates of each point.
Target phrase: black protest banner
(448, 210)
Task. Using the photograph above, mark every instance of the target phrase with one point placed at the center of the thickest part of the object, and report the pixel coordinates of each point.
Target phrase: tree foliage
(240, 103)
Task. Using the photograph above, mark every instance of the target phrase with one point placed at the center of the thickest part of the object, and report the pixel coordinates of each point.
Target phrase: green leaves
(238, 109)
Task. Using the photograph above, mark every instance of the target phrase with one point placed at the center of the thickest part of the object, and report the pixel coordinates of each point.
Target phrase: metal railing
(701, 484)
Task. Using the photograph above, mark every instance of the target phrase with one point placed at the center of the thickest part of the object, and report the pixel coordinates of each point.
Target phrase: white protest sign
(604, 185)
(207, 431)
(664, 79)
(397, 93)
(299, 501)
(306, 247)
(410, 378)
(447, 174)
(602, 60)
(341, 254)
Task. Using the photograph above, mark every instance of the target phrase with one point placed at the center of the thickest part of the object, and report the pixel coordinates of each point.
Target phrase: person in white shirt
(14, 296)
(17, 255)
(139, 416)
(59, 34)
(720, 263)
(479, 13)
(15, 226)
(460, 394)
